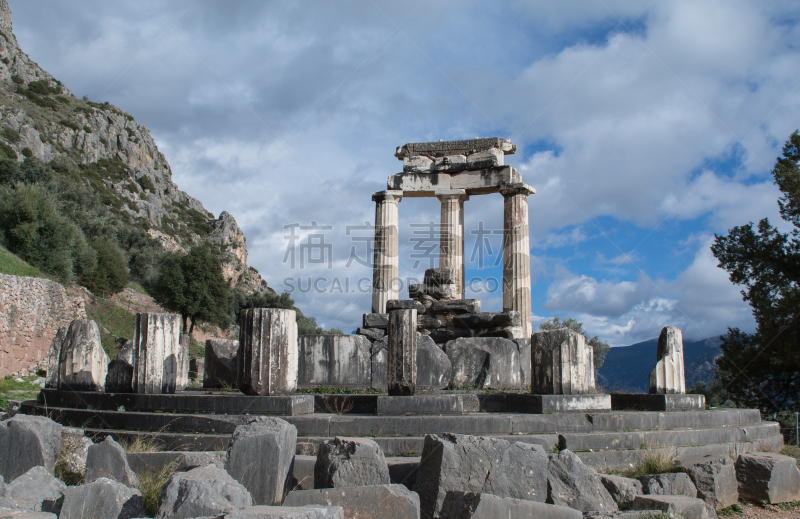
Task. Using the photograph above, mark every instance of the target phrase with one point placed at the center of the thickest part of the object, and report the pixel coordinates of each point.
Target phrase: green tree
(192, 285)
(600, 347)
(111, 274)
(763, 369)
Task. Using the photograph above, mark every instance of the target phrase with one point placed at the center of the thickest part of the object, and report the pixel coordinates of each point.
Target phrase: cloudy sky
(645, 128)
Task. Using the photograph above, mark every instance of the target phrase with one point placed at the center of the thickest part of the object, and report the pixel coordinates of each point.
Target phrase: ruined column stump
(667, 376)
(561, 363)
(401, 357)
(267, 361)
(156, 353)
(82, 362)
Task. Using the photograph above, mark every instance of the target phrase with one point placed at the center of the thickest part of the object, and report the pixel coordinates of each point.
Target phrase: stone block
(524, 347)
(405, 304)
(444, 335)
(220, 363)
(52, 357)
(401, 353)
(197, 369)
(455, 307)
(268, 352)
(417, 164)
(107, 459)
(767, 477)
(426, 322)
(573, 484)
(670, 484)
(440, 276)
(36, 490)
(373, 334)
(488, 319)
(376, 321)
(428, 405)
(371, 502)
(350, 462)
(263, 438)
(201, 492)
(483, 363)
(561, 363)
(102, 499)
(434, 368)
(378, 377)
(480, 465)
(665, 402)
(667, 377)
(287, 512)
(622, 490)
(82, 362)
(119, 378)
(675, 506)
(27, 442)
(182, 377)
(8, 513)
(714, 477)
(470, 505)
(156, 353)
(334, 361)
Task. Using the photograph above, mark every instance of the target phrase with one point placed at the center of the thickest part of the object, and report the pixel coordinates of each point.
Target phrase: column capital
(450, 194)
(390, 195)
(517, 188)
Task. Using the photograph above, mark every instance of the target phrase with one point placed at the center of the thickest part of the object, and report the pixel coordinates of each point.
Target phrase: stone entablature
(31, 312)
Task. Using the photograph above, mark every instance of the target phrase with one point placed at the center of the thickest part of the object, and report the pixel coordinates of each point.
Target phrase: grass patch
(793, 451)
(652, 462)
(196, 350)
(116, 320)
(142, 444)
(734, 509)
(10, 389)
(150, 485)
(12, 265)
(325, 390)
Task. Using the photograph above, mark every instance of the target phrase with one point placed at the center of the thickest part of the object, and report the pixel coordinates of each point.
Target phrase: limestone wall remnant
(31, 312)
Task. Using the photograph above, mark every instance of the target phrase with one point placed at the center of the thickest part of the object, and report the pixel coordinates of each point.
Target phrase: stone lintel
(388, 195)
(474, 182)
(445, 148)
(518, 188)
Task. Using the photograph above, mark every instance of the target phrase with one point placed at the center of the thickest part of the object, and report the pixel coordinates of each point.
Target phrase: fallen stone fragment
(75, 449)
(766, 477)
(680, 506)
(102, 499)
(715, 479)
(468, 505)
(622, 489)
(201, 492)
(27, 442)
(263, 438)
(371, 502)
(480, 465)
(350, 462)
(107, 459)
(36, 490)
(669, 484)
(573, 484)
(484, 362)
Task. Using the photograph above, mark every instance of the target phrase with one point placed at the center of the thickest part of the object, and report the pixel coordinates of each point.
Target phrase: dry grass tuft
(151, 484)
(142, 444)
(652, 462)
(339, 407)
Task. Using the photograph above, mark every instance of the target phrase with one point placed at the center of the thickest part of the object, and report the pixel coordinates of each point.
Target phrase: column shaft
(386, 265)
(401, 354)
(516, 255)
(451, 237)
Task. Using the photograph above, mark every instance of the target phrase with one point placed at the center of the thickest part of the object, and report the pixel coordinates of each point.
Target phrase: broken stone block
(119, 378)
(334, 361)
(669, 484)
(405, 304)
(485, 362)
(455, 307)
(263, 438)
(28, 441)
(350, 462)
(287, 512)
(715, 479)
(470, 505)
(197, 369)
(220, 363)
(373, 334)
(417, 164)
(36, 490)
(573, 484)
(371, 502)
(51, 381)
(202, 492)
(622, 489)
(434, 368)
(102, 499)
(675, 506)
(156, 353)
(376, 321)
(480, 465)
(401, 353)
(766, 477)
(561, 363)
(667, 377)
(268, 352)
(82, 362)
(107, 459)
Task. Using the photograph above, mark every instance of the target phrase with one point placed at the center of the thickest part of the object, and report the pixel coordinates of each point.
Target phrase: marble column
(516, 253)
(268, 356)
(451, 240)
(667, 377)
(562, 363)
(401, 354)
(386, 265)
(156, 353)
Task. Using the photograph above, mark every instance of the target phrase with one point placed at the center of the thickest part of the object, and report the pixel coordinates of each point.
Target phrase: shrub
(111, 273)
(7, 61)
(63, 100)
(27, 152)
(7, 151)
(10, 135)
(147, 184)
(87, 129)
(42, 88)
(16, 79)
(69, 124)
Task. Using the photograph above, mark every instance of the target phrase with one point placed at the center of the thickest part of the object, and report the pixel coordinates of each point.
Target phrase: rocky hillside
(40, 118)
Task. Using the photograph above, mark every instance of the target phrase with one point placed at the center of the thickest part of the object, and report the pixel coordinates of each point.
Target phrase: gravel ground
(768, 512)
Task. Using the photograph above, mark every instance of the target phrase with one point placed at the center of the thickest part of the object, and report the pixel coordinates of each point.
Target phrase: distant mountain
(627, 368)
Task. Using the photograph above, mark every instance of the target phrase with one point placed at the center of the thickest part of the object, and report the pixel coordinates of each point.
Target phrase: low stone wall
(31, 312)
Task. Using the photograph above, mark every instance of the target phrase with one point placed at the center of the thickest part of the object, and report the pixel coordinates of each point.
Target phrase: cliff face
(39, 117)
